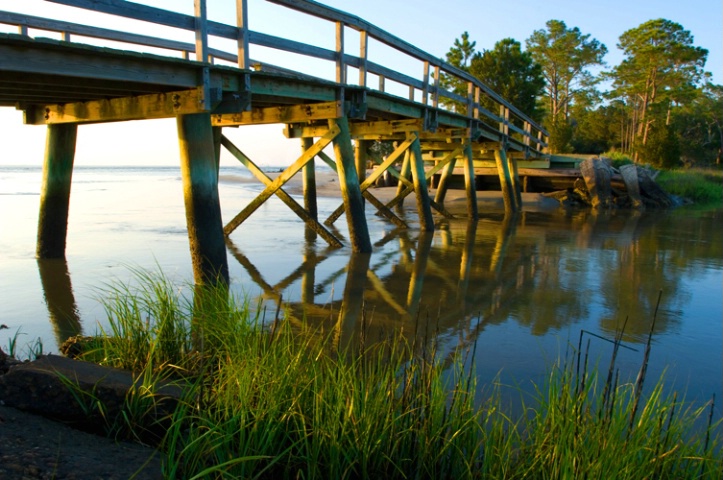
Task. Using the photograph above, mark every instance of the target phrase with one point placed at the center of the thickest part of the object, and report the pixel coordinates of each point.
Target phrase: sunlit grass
(702, 186)
(268, 401)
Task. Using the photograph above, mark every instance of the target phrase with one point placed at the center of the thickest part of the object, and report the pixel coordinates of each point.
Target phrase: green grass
(702, 186)
(271, 401)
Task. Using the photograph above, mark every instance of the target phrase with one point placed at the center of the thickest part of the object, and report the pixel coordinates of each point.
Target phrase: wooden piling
(200, 191)
(444, 181)
(469, 182)
(505, 181)
(424, 209)
(350, 191)
(309, 181)
(55, 190)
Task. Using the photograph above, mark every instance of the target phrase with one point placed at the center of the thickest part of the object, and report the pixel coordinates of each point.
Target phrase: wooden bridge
(65, 83)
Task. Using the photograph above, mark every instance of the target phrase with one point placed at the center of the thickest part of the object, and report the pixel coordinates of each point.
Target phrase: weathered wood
(242, 44)
(449, 160)
(309, 182)
(630, 177)
(200, 191)
(55, 191)
(274, 186)
(349, 184)
(597, 180)
(424, 210)
(160, 105)
(469, 182)
(514, 181)
(281, 114)
(308, 215)
(505, 181)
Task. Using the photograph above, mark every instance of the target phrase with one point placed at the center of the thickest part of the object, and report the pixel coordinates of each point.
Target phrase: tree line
(658, 106)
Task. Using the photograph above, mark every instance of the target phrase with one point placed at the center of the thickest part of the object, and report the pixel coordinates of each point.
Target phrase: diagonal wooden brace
(369, 182)
(281, 180)
(285, 197)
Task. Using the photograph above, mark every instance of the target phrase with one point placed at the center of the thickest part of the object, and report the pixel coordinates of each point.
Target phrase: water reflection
(544, 272)
(59, 298)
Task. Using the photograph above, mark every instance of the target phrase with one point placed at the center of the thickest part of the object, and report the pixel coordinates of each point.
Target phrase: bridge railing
(507, 123)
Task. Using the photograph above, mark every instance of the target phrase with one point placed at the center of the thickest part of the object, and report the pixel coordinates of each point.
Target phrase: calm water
(520, 290)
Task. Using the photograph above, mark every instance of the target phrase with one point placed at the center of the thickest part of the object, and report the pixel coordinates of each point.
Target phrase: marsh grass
(272, 401)
(702, 186)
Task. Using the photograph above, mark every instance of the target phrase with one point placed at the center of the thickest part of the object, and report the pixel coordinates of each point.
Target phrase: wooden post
(217, 134)
(505, 181)
(55, 190)
(469, 181)
(200, 191)
(424, 209)
(444, 181)
(350, 191)
(404, 172)
(360, 159)
(309, 188)
(242, 22)
(515, 182)
(363, 57)
(308, 278)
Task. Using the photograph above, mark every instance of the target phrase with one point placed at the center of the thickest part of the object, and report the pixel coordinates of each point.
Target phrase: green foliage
(565, 54)
(662, 149)
(269, 401)
(512, 73)
(702, 186)
(561, 132)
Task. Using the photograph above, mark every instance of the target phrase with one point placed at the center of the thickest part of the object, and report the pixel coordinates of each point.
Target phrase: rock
(85, 395)
(652, 194)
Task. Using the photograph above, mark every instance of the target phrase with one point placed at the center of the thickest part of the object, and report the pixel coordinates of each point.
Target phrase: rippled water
(519, 290)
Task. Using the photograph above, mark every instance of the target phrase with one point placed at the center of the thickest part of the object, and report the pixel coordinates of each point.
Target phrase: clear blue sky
(431, 25)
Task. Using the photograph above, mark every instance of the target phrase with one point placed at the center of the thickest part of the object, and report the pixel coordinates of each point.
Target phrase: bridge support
(424, 209)
(55, 190)
(469, 182)
(200, 191)
(350, 191)
(309, 187)
(506, 185)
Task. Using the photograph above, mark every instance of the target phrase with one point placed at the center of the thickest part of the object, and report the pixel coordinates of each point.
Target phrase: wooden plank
(281, 114)
(160, 105)
(307, 215)
(274, 186)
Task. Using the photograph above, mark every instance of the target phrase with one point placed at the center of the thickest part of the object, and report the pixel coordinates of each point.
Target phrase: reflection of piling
(353, 299)
(416, 281)
(55, 191)
(466, 263)
(59, 298)
(309, 187)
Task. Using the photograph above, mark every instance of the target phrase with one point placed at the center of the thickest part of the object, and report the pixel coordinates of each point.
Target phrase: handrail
(531, 132)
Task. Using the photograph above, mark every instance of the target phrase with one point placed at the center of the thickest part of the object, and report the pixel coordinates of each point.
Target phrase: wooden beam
(282, 114)
(157, 105)
(274, 186)
(469, 182)
(508, 196)
(449, 160)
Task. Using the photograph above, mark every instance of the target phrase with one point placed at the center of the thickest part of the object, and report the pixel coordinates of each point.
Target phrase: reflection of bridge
(63, 84)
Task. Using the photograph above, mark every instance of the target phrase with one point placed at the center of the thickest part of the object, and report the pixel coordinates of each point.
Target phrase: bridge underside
(64, 85)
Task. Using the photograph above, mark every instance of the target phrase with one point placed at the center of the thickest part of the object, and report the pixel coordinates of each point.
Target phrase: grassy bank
(702, 186)
(269, 401)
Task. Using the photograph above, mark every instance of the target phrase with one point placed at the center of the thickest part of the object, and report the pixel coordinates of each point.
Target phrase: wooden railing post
(470, 99)
(425, 82)
(242, 22)
(476, 102)
(199, 7)
(435, 96)
(363, 53)
(340, 65)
